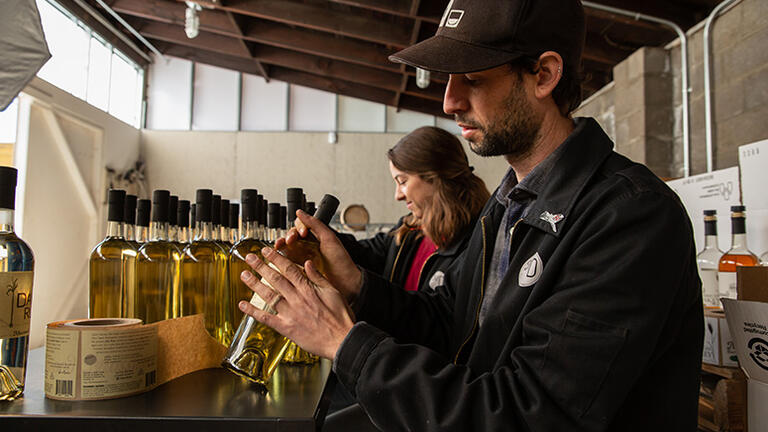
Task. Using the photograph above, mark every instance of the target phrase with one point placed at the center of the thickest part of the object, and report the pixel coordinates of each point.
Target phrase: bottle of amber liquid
(204, 270)
(111, 266)
(182, 218)
(173, 214)
(234, 222)
(248, 244)
(738, 255)
(256, 349)
(142, 221)
(224, 227)
(192, 222)
(158, 268)
(16, 276)
(216, 218)
(129, 221)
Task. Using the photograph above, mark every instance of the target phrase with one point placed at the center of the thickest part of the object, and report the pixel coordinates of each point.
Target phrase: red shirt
(426, 249)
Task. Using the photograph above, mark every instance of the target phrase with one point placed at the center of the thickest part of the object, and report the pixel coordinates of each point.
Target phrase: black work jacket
(381, 255)
(608, 338)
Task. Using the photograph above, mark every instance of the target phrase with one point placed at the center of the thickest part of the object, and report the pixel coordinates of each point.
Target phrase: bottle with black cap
(204, 271)
(273, 223)
(224, 227)
(737, 256)
(283, 224)
(257, 349)
(142, 220)
(192, 222)
(246, 245)
(173, 215)
(263, 209)
(311, 209)
(234, 223)
(111, 266)
(182, 218)
(16, 274)
(129, 221)
(158, 268)
(216, 217)
(707, 261)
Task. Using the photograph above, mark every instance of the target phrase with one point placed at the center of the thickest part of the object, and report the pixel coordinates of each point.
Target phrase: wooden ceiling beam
(414, 38)
(322, 19)
(265, 32)
(237, 26)
(668, 10)
(394, 7)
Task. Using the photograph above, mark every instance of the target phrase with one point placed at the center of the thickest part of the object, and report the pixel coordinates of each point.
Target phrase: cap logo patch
(454, 18)
(445, 14)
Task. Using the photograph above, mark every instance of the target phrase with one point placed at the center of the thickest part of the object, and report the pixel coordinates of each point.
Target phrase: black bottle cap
(263, 210)
(224, 213)
(311, 209)
(281, 219)
(291, 210)
(294, 195)
(234, 215)
(8, 176)
(203, 208)
(249, 198)
(216, 209)
(182, 214)
(327, 208)
(160, 199)
(738, 209)
(710, 212)
(142, 212)
(129, 213)
(116, 205)
(173, 210)
(273, 215)
(192, 220)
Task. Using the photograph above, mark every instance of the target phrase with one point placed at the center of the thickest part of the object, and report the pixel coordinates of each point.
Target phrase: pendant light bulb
(192, 20)
(422, 78)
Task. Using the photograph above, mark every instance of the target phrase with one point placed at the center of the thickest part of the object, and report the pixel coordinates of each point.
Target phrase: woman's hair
(438, 158)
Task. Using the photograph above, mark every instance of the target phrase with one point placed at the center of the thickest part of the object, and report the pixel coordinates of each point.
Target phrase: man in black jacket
(576, 305)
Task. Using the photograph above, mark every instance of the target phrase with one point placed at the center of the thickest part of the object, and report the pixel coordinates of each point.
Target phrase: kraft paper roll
(93, 359)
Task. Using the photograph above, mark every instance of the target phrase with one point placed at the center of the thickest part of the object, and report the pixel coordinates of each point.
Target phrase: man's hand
(310, 311)
(342, 271)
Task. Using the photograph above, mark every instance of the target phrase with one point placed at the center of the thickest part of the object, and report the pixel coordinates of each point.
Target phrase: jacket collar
(582, 154)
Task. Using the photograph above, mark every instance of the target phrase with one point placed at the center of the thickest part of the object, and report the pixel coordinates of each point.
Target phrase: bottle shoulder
(15, 253)
(158, 249)
(112, 248)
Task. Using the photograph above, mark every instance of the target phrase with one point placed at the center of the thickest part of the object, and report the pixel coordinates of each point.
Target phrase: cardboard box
(719, 349)
(748, 324)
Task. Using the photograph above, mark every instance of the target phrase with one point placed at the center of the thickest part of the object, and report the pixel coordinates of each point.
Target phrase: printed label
(709, 287)
(727, 284)
(15, 303)
(118, 362)
(61, 363)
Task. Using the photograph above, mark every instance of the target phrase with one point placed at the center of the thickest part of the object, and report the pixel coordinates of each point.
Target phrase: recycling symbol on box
(759, 352)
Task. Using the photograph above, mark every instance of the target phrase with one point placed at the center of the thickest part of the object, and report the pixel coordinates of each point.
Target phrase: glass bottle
(111, 266)
(247, 244)
(182, 218)
(173, 215)
(158, 268)
(708, 260)
(256, 349)
(234, 222)
(764, 259)
(739, 255)
(16, 276)
(192, 222)
(263, 206)
(224, 227)
(129, 221)
(216, 218)
(142, 220)
(203, 270)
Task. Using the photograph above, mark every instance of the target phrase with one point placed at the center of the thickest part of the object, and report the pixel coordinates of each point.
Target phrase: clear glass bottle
(158, 268)
(738, 255)
(192, 222)
(263, 211)
(764, 259)
(173, 215)
(16, 276)
(203, 270)
(129, 221)
(111, 266)
(256, 349)
(216, 218)
(708, 260)
(224, 227)
(142, 220)
(234, 222)
(182, 218)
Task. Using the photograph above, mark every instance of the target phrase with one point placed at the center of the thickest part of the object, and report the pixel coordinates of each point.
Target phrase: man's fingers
(287, 268)
(262, 316)
(319, 229)
(300, 227)
(272, 276)
(266, 293)
(315, 275)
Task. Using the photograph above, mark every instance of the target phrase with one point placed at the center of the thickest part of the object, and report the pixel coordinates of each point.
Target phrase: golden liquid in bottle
(203, 287)
(158, 272)
(256, 355)
(238, 290)
(111, 278)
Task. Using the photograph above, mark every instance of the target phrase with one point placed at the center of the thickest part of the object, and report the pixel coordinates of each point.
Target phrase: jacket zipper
(397, 257)
(482, 294)
(422, 269)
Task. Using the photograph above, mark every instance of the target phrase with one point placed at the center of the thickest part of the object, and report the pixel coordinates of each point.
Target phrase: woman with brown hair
(433, 177)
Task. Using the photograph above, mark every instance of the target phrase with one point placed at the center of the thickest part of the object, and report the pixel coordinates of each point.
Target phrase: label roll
(100, 358)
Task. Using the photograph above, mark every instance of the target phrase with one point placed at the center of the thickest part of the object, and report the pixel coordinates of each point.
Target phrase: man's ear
(549, 72)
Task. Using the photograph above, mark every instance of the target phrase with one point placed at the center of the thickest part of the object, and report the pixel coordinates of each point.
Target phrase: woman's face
(409, 187)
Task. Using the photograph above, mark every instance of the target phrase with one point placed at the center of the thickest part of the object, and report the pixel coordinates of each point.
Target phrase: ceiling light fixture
(422, 78)
(192, 21)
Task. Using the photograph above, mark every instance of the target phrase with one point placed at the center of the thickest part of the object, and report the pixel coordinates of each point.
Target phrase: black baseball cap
(478, 35)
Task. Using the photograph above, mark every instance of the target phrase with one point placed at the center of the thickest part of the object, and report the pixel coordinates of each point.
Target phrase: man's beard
(514, 133)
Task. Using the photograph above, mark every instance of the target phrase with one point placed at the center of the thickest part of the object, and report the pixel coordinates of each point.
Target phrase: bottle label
(709, 287)
(15, 303)
(727, 284)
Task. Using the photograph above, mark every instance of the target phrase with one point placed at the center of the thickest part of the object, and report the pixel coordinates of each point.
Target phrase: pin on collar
(553, 219)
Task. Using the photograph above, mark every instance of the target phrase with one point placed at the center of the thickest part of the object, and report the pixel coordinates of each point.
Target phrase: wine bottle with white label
(708, 260)
(16, 266)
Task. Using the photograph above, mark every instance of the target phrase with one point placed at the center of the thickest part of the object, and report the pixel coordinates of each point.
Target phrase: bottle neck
(215, 233)
(159, 231)
(6, 220)
(129, 232)
(183, 236)
(250, 230)
(233, 235)
(224, 233)
(739, 243)
(142, 234)
(710, 241)
(173, 233)
(204, 231)
(114, 229)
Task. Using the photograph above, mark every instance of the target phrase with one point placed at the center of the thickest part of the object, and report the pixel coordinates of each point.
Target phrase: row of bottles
(717, 269)
(175, 267)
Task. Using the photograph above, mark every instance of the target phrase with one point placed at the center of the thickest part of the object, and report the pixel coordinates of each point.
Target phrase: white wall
(63, 146)
(355, 168)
